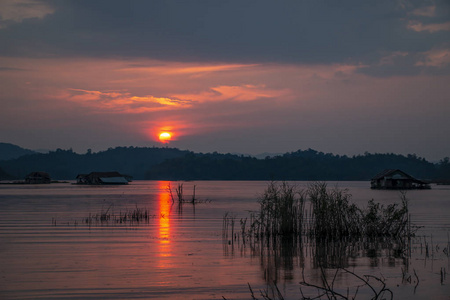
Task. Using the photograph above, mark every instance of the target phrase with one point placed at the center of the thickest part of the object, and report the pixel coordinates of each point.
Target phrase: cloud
(245, 92)
(419, 27)
(196, 69)
(435, 58)
(16, 11)
(123, 102)
(230, 34)
(426, 11)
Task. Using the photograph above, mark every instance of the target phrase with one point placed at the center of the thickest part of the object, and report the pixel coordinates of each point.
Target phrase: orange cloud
(123, 101)
(186, 68)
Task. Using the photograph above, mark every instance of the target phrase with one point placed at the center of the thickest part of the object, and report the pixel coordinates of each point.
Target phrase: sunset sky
(229, 76)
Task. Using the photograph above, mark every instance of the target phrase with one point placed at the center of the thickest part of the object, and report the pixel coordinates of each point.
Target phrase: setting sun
(165, 137)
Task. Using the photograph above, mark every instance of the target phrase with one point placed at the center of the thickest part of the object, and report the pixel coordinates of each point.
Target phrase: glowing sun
(165, 137)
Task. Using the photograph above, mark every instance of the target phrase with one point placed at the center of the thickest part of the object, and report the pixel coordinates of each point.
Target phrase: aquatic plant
(180, 195)
(334, 218)
(281, 212)
(136, 215)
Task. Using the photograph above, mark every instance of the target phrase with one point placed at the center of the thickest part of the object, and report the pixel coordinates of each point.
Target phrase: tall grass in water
(334, 218)
(281, 212)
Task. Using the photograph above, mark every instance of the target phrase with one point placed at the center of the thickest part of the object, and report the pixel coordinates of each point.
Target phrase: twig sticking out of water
(265, 293)
(179, 192)
(227, 225)
(330, 292)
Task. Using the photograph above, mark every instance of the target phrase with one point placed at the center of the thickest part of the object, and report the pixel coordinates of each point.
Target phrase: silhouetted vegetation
(174, 164)
(66, 164)
(5, 176)
(335, 218)
(300, 165)
(332, 217)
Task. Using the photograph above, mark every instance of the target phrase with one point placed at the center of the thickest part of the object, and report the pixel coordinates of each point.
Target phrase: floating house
(38, 178)
(102, 178)
(394, 179)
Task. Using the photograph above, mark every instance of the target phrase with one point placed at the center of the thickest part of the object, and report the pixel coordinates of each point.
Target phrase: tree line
(155, 163)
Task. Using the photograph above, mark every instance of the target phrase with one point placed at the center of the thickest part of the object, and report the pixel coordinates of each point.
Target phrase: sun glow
(165, 137)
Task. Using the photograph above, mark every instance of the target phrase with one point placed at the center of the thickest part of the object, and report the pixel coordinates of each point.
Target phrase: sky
(248, 77)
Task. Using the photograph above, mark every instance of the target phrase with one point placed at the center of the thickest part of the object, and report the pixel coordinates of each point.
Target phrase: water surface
(48, 251)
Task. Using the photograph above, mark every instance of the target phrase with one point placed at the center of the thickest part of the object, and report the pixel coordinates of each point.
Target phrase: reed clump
(331, 215)
(136, 215)
(281, 212)
(334, 218)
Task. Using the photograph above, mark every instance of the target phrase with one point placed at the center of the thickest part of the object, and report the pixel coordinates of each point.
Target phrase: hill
(66, 164)
(174, 164)
(300, 165)
(5, 176)
(10, 151)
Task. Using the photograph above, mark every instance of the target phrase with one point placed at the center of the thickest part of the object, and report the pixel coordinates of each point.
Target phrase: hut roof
(392, 172)
(105, 174)
(101, 174)
(38, 174)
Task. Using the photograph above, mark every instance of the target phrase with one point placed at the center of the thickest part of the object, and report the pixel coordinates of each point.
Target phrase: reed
(334, 218)
(137, 215)
(281, 212)
(179, 192)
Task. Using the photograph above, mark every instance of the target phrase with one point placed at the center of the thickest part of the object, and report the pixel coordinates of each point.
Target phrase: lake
(54, 244)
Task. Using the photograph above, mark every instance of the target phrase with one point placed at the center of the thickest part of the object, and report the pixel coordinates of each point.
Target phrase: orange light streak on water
(164, 220)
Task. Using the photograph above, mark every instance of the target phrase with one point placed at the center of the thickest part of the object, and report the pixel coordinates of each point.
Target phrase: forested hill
(10, 151)
(174, 164)
(299, 165)
(66, 164)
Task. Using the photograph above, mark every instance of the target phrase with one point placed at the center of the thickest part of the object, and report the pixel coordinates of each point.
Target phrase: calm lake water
(48, 251)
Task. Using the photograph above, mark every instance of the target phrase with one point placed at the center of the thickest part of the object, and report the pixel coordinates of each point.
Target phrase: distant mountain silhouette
(174, 164)
(10, 151)
(66, 164)
(300, 165)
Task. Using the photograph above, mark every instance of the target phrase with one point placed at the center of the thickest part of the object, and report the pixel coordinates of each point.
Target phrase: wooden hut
(395, 179)
(102, 178)
(38, 178)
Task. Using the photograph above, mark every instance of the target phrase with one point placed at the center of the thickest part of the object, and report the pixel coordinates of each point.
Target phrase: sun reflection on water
(164, 219)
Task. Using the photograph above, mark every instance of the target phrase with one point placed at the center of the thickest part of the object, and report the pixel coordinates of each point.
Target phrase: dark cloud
(238, 31)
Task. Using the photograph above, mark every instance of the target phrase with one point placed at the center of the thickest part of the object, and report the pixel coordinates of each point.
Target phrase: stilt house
(102, 178)
(397, 179)
(38, 178)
